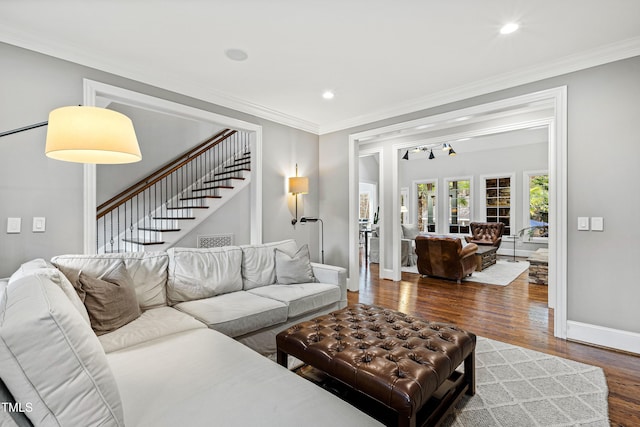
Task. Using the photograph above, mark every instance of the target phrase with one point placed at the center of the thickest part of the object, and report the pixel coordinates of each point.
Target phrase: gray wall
(603, 148)
(31, 185)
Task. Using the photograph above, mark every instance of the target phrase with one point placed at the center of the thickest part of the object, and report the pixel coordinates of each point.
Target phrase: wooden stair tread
(188, 207)
(174, 217)
(201, 197)
(158, 230)
(237, 164)
(231, 171)
(143, 243)
(215, 187)
(223, 179)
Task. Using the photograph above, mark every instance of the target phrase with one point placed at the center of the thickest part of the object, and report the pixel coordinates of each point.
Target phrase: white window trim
(445, 201)
(512, 201)
(526, 175)
(414, 200)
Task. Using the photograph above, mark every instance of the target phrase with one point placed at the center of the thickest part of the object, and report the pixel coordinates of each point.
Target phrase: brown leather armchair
(444, 256)
(486, 233)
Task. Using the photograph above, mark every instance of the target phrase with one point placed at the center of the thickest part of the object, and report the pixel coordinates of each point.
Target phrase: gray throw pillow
(110, 299)
(410, 231)
(294, 269)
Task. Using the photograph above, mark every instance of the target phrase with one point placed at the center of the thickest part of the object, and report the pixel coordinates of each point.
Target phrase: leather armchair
(444, 256)
(486, 233)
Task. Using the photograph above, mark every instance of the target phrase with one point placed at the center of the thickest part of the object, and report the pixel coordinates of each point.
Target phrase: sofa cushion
(294, 268)
(202, 378)
(237, 313)
(148, 270)
(203, 273)
(110, 299)
(301, 298)
(410, 231)
(51, 358)
(258, 262)
(154, 323)
(41, 267)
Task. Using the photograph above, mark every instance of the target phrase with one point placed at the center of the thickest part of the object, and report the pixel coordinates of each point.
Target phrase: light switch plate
(583, 223)
(14, 225)
(597, 223)
(39, 224)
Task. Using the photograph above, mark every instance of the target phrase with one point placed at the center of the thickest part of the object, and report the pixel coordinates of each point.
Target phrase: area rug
(501, 273)
(520, 387)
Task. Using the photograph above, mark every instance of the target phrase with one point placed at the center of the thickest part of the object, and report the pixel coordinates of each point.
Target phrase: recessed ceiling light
(509, 28)
(327, 94)
(236, 54)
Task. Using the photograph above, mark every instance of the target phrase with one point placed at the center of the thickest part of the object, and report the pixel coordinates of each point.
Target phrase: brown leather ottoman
(400, 361)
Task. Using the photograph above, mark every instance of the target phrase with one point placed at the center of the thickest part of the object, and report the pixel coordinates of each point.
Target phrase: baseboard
(603, 336)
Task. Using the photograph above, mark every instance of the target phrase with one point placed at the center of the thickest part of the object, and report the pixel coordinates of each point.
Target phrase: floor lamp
(305, 219)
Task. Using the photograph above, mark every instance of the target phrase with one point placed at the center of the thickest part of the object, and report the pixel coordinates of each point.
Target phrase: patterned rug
(520, 387)
(501, 273)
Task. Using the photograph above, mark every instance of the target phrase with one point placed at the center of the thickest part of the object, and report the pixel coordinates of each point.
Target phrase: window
(404, 205)
(498, 200)
(537, 205)
(459, 205)
(364, 206)
(427, 207)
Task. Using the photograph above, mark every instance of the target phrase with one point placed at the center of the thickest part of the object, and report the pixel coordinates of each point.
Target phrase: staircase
(159, 210)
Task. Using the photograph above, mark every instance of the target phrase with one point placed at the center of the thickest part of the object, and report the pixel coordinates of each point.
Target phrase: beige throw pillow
(110, 299)
(294, 269)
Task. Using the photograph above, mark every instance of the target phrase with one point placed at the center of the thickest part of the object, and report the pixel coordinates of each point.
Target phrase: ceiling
(381, 58)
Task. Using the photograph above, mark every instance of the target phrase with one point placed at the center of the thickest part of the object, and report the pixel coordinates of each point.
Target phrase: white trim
(556, 98)
(603, 336)
(93, 90)
(482, 197)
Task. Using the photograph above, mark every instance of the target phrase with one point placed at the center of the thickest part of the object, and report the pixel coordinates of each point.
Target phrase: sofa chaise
(189, 357)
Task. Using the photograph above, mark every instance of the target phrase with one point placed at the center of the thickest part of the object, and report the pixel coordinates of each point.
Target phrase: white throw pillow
(294, 269)
(410, 231)
(50, 358)
(203, 273)
(259, 262)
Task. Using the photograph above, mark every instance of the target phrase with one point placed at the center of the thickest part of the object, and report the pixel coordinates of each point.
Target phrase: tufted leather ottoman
(402, 362)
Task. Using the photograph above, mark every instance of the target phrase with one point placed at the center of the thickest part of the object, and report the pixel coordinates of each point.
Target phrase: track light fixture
(406, 156)
(431, 156)
(452, 152)
(446, 146)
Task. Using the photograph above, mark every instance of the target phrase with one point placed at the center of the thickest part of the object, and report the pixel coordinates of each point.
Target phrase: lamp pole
(305, 219)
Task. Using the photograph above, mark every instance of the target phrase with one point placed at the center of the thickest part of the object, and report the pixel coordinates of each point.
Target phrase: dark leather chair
(486, 233)
(444, 256)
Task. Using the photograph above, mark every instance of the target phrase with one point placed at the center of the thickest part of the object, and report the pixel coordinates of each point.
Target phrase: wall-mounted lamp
(298, 185)
(88, 135)
(304, 220)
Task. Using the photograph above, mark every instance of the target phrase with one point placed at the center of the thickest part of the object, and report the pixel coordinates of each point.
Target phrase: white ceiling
(382, 58)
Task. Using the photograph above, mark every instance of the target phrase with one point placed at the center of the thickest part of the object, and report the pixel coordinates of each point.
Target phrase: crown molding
(610, 53)
(74, 54)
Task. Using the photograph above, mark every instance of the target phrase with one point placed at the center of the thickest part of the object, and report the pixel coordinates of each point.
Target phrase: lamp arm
(22, 129)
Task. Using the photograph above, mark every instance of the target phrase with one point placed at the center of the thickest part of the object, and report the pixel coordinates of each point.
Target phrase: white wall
(33, 185)
(603, 148)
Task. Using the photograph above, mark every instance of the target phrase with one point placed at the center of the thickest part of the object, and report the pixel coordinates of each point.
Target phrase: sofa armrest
(469, 250)
(334, 275)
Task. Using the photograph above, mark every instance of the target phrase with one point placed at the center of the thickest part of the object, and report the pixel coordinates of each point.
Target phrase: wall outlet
(14, 225)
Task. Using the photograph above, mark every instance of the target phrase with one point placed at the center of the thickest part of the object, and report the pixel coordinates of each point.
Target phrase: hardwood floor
(515, 314)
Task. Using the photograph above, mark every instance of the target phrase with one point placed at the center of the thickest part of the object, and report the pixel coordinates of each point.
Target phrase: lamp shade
(298, 185)
(91, 135)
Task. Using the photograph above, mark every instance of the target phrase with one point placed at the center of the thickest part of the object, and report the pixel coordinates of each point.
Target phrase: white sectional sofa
(187, 360)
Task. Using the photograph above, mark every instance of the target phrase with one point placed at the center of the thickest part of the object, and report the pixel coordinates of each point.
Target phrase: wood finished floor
(516, 314)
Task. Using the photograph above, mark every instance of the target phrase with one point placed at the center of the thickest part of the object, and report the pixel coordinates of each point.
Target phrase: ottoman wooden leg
(283, 358)
(470, 372)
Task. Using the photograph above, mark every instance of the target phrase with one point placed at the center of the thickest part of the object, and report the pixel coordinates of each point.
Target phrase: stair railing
(141, 213)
